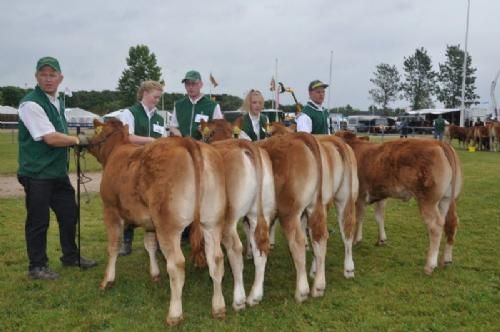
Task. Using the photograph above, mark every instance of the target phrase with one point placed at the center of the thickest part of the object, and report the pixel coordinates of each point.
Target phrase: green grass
(389, 293)
(8, 153)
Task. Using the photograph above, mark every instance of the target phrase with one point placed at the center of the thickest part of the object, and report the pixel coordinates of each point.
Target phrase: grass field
(8, 155)
(389, 293)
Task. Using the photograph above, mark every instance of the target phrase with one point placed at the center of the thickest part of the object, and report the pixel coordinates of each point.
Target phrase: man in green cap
(43, 171)
(190, 110)
(314, 117)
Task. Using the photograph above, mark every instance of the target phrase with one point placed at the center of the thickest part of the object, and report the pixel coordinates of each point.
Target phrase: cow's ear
(292, 128)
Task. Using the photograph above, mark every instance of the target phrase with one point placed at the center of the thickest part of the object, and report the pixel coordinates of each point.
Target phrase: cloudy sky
(239, 41)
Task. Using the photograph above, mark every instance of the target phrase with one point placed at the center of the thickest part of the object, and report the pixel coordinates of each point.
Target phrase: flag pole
(276, 90)
(330, 81)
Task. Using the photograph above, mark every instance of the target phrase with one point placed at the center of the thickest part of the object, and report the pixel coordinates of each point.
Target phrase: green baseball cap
(192, 75)
(317, 84)
(48, 61)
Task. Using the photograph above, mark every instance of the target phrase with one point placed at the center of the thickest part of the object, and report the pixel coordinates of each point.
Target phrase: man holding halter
(43, 172)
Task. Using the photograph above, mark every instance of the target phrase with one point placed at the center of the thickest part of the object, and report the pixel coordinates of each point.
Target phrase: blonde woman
(254, 123)
(144, 125)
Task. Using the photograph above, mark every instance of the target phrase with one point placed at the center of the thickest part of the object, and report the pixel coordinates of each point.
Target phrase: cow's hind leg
(259, 260)
(450, 229)
(151, 245)
(234, 249)
(346, 219)
(215, 261)
(296, 242)
(170, 246)
(379, 218)
(246, 229)
(434, 222)
(360, 214)
(113, 229)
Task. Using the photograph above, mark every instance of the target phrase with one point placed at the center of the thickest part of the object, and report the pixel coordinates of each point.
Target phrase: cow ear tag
(98, 130)
(206, 131)
(236, 131)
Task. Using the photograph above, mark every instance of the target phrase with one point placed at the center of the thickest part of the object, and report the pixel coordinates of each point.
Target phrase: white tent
(8, 110)
(78, 116)
(434, 111)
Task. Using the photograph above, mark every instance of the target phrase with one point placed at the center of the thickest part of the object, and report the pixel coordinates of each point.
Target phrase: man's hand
(82, 141)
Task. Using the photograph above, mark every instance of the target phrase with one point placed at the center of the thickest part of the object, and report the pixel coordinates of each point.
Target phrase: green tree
(419, 83)
(1, 98)
(141, 67)
(450, 78)
(12, 95)
(386, 80)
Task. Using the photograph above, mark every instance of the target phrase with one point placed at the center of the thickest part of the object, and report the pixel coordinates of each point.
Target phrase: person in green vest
(254, 123)
(144, 125)
(314, 117)
(191, 109)
(439, 127)
(43, 158)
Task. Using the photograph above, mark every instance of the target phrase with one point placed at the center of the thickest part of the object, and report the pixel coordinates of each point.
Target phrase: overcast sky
(239, 41)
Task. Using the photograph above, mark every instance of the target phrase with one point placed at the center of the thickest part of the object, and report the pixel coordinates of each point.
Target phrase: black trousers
(41, 196)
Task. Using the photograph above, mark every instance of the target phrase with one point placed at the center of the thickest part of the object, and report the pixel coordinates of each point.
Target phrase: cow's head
(217, 130)
(107, 134)
(278, 128)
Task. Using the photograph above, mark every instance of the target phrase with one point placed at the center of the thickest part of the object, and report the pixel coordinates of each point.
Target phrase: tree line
(421, 85)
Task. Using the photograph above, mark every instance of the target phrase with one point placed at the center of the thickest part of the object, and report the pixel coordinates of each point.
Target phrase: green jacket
(186, 112)
(37, 159)
(319, 118)
(247, 127)
(439, 125)
(144, 126)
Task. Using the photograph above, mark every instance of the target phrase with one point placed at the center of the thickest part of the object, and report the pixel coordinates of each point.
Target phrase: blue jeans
(41, 196)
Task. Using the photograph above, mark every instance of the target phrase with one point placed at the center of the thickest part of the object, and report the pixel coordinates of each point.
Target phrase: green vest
(37, 159)
(247, 127)
(143, 126)
(439, 125)
(319, 118)
(186, 112)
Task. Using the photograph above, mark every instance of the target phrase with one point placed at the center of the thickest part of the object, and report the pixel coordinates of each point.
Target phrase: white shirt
(304, 122)
(217, 113)
(127, 118)
(255, 125)
(36, 120)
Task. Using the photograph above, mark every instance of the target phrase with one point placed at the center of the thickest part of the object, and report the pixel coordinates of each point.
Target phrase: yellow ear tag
(98, 130)
(206, 131)
(236, 131)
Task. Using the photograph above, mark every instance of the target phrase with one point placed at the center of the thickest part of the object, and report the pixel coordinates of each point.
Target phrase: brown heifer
(460, 133)
(427, 170)
(297, 168)
(494, 135)
(481, 137)
(340, 186)
(250, 193)
(163, 187)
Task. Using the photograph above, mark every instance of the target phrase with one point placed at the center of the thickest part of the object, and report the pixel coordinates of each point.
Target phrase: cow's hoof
(446, 263)
(301, 297)
(219, 314)
(106, 285)
(249, 256)
(239, 306)
(380, 243)
(156, 278)
(428, 270)
(349, 274)
(317, 292)
(174, 321)
(254, 301)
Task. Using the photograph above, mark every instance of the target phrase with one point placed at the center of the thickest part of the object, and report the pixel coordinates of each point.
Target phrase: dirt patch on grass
(10, 187)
